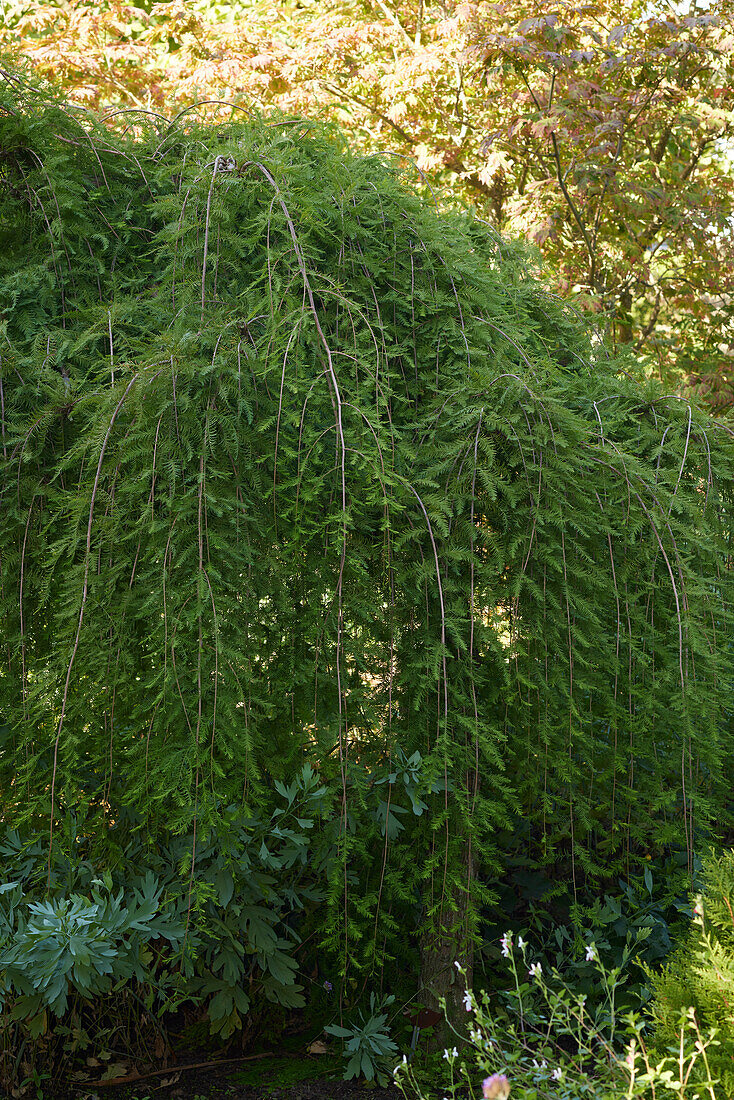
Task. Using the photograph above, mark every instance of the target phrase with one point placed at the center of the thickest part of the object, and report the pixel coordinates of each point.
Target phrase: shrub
(156, 933)
(295, 467)
(700, 974)
(633, 923)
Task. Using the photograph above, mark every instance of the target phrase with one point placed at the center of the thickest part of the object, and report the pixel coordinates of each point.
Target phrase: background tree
(602, 132)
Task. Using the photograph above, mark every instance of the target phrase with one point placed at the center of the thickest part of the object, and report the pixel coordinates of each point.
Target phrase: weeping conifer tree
(295, 466)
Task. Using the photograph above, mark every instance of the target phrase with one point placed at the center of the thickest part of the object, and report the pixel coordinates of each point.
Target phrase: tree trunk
(441, 948)
(624, 318)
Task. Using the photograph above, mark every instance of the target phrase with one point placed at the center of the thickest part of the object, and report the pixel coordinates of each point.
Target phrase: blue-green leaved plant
(368, 1048)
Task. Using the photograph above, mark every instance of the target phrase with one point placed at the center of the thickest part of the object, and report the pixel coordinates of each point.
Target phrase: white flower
(450, 1054)
(520, 942)
(457, 964)
(591, 953)
(535, 970)
(506, 942)
(557, 1074)
(467, 1000)
(400, 1065)
(475, 1036)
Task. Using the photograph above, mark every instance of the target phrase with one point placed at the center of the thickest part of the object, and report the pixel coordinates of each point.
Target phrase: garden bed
(277, 1077)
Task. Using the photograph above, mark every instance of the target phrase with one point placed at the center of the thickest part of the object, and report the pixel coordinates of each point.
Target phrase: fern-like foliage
(295, 467)
(700, 974)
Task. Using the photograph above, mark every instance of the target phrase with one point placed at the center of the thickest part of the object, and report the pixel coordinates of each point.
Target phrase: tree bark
(624, 318)
(441, 948)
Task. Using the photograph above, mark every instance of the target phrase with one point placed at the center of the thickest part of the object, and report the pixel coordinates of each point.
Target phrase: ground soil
(285, 1077)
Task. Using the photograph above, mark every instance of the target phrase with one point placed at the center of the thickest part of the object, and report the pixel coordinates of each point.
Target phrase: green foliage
(218, 932)
(701, 972)
(368, 1049)
(296, 470)
(633, 925)
(88, 946)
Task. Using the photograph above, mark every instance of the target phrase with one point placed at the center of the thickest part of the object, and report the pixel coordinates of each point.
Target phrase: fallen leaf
(114, 1069)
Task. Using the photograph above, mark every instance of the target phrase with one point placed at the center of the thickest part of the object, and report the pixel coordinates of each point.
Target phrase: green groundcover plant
(296, 469)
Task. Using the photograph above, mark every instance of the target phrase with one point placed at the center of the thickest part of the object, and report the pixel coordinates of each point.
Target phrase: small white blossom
(450, 1054)
(457, 964)
(591, 953)
(535, 970)
(506, 942)
(467, 1000)
(520, 942)
(400, 1065)
(557, 1073)
(475, 1035)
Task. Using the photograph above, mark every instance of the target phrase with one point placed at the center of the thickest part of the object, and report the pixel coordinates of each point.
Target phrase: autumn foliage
(600, 131)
